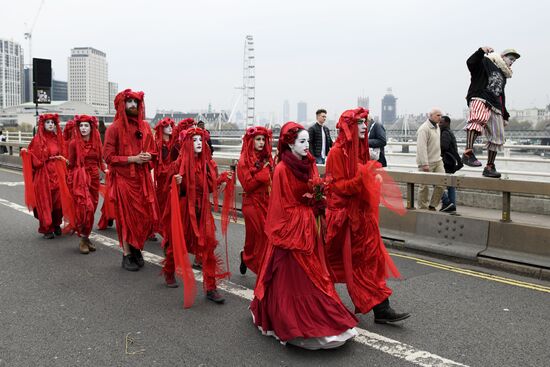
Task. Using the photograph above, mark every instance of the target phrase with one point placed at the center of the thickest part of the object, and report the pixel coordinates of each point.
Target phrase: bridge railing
(411, 179)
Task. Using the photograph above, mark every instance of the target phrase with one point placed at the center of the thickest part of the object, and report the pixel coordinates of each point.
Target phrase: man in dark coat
(451, 161)
(377, 140)
(319, 138)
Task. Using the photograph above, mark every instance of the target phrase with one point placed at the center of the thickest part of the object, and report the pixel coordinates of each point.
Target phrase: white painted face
(85, 128)
(301, 145)
(362, 126)
(131, 103)
(197, 143)
(49, 125)
(509, 59)
(259, 142)
(167, 130)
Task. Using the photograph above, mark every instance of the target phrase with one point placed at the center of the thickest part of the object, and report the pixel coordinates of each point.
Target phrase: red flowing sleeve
(289, 224)
(251, 182)
(110, 150)
(336, 168)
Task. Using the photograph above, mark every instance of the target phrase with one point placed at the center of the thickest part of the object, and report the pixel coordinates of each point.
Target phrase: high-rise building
(286, 111)
(363, 102)
(389, 113)
(302, 112)
(27, 85)
(88, 78)
(113, 90)
(11, 73)
(59, 90)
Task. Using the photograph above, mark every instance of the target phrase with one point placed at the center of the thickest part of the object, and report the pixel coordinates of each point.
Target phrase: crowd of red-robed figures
(303, 232)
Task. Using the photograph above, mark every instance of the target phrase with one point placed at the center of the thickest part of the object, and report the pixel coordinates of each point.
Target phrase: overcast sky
(185, 54)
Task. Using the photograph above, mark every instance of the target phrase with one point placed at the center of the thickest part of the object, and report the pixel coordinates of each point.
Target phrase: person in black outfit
(451, 161)
(377, 139)
(319, 138)
(3, 138)
(487, 104)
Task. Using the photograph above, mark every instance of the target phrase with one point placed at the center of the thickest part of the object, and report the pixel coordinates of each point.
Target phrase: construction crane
(28, 34)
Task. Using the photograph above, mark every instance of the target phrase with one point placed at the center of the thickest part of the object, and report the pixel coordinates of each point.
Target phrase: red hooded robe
(85, 161)
(199, 179)
(355, 251)
(255, 170)
(131, 185)
(294, 295)
(162, 164)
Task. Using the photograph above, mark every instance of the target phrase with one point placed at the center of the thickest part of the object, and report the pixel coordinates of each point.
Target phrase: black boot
(242, 267)
(384, 314)
(491, 171)
(138, 257)
(215, 296)
(48, 235)
(57, 230)
(128, 263)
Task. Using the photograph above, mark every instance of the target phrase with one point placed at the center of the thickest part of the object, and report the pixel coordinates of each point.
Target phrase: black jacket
(480, 69)
(377, 139)
(449, 152)
(316, 139)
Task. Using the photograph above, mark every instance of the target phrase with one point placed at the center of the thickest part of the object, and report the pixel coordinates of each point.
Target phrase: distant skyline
(185, 55)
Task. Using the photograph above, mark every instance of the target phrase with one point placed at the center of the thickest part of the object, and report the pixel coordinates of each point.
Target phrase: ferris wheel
(249, 82)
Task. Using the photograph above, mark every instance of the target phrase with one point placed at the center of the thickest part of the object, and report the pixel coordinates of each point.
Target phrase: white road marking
(6, 183)
(379, 342)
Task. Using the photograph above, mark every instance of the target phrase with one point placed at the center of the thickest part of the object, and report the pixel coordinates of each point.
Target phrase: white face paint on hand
(197, 143)
(85, 128)
(301, 145)
(362, 126)
(167, 130)
(49, 125)
(259, 142)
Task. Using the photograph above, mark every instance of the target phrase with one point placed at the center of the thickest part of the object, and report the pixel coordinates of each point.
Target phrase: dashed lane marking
(9, 183)
(379, 342)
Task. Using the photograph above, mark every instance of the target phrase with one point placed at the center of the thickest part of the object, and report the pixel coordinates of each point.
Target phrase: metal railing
(410, 179)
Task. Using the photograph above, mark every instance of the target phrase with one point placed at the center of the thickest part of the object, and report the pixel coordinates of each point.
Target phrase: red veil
(36, 175)
(200, 172)
(80, 182)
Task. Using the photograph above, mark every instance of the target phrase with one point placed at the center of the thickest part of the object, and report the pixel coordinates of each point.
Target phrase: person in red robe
(40, 169)
(85, 161)
(129, 150)
(355, 251)
(195, 173)
(163, 142)
(295, 300)
(255, 170)
(181, 126)
(68, 132)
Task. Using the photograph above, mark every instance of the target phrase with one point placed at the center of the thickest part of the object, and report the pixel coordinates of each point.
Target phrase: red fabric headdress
(288, 135)
(249, 153)
(95, 138)
(159, 127)
(122, 120)
(354, 148)
(183, 125)
(41, 130)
